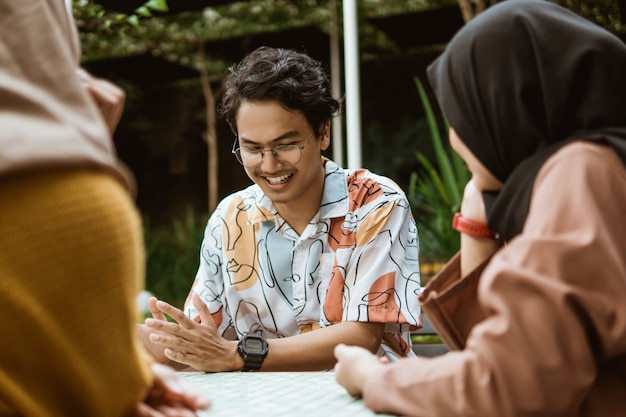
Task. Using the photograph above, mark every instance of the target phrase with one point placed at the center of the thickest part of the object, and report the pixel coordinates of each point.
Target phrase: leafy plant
(436, 190)
(172, 257)
(145, 11)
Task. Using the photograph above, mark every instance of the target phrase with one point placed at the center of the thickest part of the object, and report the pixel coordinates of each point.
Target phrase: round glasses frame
(277, 151)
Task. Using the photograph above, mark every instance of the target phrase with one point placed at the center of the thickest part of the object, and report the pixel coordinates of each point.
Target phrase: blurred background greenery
(172, 255)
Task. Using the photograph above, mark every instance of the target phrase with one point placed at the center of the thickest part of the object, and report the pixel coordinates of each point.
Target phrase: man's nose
(269, 160)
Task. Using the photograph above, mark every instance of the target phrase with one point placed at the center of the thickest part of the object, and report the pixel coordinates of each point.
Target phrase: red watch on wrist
(471, 227)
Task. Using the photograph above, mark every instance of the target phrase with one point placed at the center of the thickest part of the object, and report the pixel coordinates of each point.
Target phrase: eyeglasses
(285, 154)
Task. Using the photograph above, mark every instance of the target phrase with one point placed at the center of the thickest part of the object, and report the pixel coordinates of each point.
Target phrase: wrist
(237, 360)
(474, 251)
(471, 227)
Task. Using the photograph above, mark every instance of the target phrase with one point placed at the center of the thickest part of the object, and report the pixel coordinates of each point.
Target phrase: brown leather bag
(451, 303)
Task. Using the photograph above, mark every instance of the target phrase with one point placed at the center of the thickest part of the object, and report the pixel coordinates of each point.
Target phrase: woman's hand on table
(355, 365)
(170, 397)
(187, 342)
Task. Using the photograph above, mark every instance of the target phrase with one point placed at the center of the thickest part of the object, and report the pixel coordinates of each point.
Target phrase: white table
(276, 394)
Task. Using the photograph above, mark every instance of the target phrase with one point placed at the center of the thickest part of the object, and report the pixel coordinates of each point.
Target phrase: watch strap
(471, 227)
(252, 363)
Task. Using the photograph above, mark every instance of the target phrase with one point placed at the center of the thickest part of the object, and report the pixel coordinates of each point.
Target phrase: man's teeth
(278, 180)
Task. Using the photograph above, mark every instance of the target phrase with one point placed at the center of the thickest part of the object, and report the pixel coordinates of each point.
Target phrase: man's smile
(279, 180)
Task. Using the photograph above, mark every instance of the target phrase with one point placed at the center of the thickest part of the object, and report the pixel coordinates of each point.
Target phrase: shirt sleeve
(381, 271)
(551, 314)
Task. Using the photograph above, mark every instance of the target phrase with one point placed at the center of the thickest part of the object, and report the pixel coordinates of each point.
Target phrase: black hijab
(523, 79)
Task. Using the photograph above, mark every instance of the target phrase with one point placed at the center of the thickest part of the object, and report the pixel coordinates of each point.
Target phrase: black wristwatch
(253, 349)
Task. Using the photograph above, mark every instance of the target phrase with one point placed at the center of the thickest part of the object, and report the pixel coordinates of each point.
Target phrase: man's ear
(325, 135)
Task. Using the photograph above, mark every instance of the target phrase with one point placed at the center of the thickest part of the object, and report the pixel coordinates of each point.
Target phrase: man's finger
(154, 310)
(205, 314)
(176, 314)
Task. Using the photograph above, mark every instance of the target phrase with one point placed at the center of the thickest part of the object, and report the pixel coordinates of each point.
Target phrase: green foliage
(145, 11)
(605, 13)
(172, 256)
(175, 37)
(156, 5)
(422, 339)
(389, 148)
(436, 191)
(112, 22)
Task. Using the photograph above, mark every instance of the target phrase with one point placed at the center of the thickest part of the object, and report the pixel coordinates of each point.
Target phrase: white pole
(352, 80)
(335, 80)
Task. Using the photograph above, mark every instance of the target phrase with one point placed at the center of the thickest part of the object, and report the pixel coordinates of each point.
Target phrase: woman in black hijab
(534, 306)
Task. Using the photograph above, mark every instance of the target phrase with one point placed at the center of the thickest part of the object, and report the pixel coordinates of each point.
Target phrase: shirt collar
(334, 197)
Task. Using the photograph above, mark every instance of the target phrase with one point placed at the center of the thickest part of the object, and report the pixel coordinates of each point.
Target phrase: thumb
(340, 350)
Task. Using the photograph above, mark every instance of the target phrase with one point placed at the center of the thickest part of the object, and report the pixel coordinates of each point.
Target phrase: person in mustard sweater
(534, 306)
(71, 248)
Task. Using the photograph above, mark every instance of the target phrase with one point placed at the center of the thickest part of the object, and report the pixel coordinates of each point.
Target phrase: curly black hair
(292, 78)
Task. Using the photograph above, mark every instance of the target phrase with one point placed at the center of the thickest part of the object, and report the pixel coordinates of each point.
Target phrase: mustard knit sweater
(71, 264)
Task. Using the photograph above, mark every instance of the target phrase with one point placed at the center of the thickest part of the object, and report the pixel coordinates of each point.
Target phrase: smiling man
(309, 256)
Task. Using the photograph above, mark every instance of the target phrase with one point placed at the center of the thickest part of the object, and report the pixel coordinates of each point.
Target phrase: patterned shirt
(357, 260)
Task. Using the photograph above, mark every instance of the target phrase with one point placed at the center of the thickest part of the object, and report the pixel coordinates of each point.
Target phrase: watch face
(254, 344)
(253, 349)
